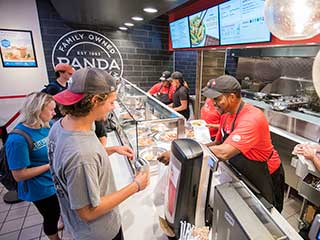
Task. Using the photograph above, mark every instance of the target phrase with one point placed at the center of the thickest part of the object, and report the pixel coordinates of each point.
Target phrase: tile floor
(21, 221)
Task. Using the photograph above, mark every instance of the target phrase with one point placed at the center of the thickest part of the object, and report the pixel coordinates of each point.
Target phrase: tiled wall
(186, 62)
(144, 48)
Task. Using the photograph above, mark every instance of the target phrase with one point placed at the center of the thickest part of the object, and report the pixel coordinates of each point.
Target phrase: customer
(181, 95)
(31, 170)
(244, 139)
(80, 165)
(212, 116)
(163, 90)
(63, 73)
(310, 152)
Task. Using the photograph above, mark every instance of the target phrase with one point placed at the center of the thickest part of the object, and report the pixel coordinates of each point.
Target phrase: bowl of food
(198, 123)
(144, 141)
(167, 136)
(150, 154)
(197, 31)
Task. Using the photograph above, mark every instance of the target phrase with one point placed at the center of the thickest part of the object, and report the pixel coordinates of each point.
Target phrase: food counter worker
(244, 139)
(181, 95)
(312, 153)
(163, 90)
(211, 115)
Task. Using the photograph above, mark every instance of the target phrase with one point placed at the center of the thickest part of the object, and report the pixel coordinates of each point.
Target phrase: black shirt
(181, 94)
(100, 130)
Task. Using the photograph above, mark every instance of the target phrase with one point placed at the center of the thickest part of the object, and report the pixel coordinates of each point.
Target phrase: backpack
(54, 84)
(6, 177)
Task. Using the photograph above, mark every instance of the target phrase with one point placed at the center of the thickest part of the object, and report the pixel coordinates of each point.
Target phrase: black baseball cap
(218, 86)
(177, 75)
(165, 76)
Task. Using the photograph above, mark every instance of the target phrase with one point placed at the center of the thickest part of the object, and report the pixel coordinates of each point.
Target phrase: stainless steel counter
(296, 126)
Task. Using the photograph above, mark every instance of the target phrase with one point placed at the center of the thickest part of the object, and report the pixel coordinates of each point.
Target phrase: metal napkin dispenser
(183, 182)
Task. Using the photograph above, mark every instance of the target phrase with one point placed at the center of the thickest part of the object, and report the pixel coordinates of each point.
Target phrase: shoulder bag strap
(25, 135)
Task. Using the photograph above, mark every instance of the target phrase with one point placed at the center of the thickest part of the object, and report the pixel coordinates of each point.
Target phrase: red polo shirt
(251, 135)
(210, 114)
(157, 88)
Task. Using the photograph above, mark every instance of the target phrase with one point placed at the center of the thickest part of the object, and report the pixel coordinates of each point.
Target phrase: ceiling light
(150, 10)
(128, 24)
(137, 18)
(123, 28)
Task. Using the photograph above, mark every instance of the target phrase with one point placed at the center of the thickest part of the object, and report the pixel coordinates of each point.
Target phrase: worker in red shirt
(211, 115)
(163, 90)
(244, 139)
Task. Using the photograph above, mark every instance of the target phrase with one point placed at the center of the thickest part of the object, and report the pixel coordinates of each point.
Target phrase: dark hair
(84, 106)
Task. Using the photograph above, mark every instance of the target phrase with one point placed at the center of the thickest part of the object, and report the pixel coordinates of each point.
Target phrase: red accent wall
(196, 6)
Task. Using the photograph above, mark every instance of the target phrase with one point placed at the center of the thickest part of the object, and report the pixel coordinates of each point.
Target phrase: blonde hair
(33, 106)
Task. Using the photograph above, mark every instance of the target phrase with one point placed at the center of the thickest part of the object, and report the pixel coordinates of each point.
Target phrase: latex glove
(164, 158)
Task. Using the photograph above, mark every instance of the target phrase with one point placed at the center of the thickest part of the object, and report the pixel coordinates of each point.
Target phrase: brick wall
(144, 48)
(186, 62)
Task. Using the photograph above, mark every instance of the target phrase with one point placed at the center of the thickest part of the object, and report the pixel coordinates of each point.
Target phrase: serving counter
(140, 217)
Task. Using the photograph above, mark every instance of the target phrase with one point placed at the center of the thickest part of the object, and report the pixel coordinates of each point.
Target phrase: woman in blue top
(31, 170)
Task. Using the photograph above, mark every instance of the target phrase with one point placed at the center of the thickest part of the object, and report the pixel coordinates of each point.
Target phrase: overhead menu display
(242, 21)
(179, 32)
(204, 28)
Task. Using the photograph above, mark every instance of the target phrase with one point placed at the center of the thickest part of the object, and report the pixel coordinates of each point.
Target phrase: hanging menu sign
(242, 21)
(179, 32)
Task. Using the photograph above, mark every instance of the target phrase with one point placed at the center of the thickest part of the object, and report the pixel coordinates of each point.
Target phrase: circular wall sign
(85, 48)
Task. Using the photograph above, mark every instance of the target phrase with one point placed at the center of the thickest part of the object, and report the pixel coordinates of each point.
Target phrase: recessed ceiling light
(137, 18)
(150, 10)
(123, 28)
(128, 24)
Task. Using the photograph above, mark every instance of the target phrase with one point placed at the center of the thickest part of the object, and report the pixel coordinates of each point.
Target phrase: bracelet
(138, 184)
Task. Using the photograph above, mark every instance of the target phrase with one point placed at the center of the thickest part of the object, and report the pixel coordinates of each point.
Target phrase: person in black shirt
(181, 95)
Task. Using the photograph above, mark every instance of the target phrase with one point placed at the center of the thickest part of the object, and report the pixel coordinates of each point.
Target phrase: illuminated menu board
(204, 28)
(242, 21)
(179, 32)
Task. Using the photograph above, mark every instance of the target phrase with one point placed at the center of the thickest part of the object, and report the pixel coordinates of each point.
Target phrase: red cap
(64, 68)
(67, 97)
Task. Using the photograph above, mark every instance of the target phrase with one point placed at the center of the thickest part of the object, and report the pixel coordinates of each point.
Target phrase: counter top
(138, 215)
(290, 113)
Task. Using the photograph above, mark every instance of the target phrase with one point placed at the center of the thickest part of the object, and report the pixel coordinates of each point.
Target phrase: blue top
(17, 150)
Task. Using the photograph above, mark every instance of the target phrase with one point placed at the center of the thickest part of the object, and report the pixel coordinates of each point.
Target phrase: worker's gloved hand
(164, 158)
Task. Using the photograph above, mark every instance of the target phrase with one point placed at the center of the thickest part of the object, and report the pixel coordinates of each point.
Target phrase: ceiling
(112, 13)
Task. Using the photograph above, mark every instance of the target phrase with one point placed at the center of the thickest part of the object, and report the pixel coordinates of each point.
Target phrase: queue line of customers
(90, 214)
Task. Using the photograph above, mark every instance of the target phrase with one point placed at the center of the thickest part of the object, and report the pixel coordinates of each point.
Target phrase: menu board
(204, 28)
(242, 21)
(179, 32)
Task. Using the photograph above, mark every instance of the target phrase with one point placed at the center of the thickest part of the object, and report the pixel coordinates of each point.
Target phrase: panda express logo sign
(85, 48)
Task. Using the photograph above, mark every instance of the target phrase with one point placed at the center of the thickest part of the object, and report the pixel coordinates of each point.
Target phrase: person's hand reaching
(164, 158)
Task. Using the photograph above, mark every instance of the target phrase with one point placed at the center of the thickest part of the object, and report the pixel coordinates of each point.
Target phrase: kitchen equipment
(279, 106)
(238, 214)
(259, 95)
(182, 190)
(314, 233)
